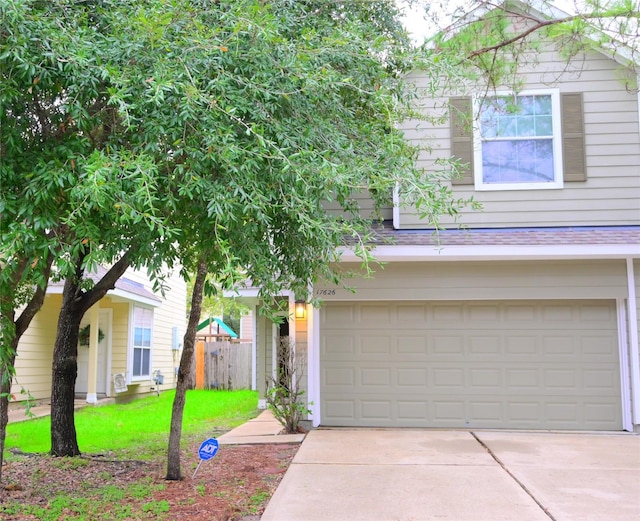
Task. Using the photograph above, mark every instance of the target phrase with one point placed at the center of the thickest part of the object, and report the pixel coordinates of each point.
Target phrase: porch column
(92, 384)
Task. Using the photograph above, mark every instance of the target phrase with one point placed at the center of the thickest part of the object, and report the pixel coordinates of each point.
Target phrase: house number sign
(325, 292)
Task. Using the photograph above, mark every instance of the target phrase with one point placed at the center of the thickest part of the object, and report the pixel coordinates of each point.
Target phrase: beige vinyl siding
(35, 352)
(171, 313)
(119, 338)
(611, 192)
(505, 280)
(366, 206)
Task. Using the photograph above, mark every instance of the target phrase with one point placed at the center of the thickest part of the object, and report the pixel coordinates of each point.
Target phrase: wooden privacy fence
(222, 365)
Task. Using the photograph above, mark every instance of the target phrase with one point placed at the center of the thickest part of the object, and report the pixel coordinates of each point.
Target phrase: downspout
(634, 350)
(396, 207)
(633, 315)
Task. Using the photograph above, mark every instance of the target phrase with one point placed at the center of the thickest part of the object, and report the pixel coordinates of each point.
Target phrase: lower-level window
(142, 326)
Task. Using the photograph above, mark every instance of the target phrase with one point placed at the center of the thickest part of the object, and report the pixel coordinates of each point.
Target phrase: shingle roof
(386, 234)
(122, 284)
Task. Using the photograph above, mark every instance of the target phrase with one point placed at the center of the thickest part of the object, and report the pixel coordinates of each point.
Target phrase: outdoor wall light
(301, 309)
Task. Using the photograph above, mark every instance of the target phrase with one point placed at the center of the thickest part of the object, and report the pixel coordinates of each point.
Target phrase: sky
(419, 24)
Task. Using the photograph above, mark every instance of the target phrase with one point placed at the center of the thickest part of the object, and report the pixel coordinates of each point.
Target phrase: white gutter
(118, 293)
(495, 252)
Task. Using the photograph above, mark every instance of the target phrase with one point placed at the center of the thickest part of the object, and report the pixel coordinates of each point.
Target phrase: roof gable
(544, 12)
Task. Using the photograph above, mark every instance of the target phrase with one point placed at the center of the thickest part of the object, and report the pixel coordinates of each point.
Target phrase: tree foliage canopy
(147, 125)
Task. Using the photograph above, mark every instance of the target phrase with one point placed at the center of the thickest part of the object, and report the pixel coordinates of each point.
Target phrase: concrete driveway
(416, 475)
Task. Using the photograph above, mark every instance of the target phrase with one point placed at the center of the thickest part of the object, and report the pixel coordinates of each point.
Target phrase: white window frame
(132, 346)
(556, 144)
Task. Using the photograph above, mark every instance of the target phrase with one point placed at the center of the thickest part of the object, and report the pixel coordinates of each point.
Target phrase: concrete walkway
(409, 475)
(18, 413)
(263, 429)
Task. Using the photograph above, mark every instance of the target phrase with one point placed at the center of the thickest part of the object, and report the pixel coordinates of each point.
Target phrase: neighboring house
(140, 332)
(526, 319)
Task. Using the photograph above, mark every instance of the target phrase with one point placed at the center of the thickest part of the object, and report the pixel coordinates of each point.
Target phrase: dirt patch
(236, 484)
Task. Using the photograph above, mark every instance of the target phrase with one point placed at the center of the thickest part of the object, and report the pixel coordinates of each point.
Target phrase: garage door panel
(522, 345)
(447, 344)
(341, 412)
(500, 364)
(412, 411)
(482, 345)
(340, 345)
(408, 314)
(412, 347)
(598, 348)
(411, 379)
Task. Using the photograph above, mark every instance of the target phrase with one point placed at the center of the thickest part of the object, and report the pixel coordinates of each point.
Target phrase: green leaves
(171, 129)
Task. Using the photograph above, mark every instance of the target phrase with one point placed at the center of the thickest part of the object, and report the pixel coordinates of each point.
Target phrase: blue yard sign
(207, 450)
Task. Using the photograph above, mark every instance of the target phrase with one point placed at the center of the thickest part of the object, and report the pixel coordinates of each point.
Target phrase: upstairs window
(518, 142)
(142, 329)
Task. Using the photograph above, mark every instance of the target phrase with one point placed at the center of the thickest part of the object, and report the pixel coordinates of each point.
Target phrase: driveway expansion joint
(513, 476)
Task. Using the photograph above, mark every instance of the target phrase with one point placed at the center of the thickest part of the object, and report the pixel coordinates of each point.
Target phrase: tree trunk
(8, 358)
(75, 303)
(65, 370)
(184, 374)
(6, 376)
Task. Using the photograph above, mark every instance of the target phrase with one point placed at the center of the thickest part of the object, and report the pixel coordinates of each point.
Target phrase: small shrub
(284, 395)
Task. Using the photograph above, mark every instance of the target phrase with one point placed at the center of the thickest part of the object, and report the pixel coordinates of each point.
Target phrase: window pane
(146, 356)
(137, 361)
(527, 126)
(146, 337)
(543, 105)
(526, 105)
(544, 126)
(137, 336)
(507, 126)
(522, 161)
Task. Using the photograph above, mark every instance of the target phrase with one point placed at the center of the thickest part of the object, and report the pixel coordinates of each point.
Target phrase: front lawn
(120, 475)
(142, 426)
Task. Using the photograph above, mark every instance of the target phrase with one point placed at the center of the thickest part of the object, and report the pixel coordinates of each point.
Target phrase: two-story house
(527, 318)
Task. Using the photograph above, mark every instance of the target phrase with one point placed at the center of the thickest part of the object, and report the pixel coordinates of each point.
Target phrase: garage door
(508, 364)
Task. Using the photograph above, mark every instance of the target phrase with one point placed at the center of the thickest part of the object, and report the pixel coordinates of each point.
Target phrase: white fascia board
(502, 252)
(132, 297)
(251, 293)
(117, 293)
(241, 293)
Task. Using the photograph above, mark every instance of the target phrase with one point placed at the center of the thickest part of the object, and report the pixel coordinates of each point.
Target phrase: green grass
(140, 428)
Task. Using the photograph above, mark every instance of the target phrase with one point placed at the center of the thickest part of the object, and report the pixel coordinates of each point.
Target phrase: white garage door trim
(625, 376)
(315, 389)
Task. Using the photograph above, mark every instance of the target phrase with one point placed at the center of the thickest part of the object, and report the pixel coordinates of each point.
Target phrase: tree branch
(36, 301)
(107, 282)
(540, 24)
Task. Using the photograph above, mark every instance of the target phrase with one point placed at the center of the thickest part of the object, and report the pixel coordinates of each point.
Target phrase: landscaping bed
(235, 485)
